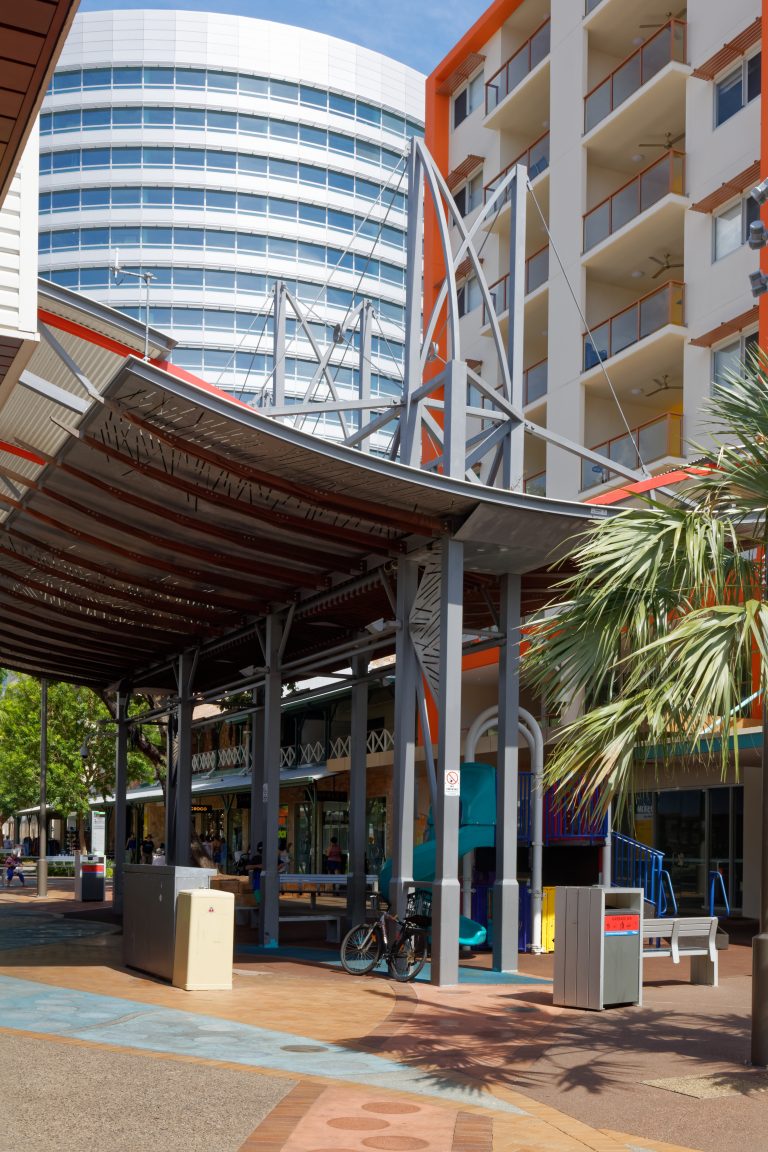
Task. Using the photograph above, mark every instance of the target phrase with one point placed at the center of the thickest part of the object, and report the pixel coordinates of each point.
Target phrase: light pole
(42, 823)
(147, 277)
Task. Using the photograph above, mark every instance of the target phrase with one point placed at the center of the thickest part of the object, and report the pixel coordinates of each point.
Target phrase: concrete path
(300, 1057)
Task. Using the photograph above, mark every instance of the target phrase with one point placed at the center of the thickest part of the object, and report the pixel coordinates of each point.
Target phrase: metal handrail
(714, 876)
(674, 314)
(640, 66)
(532, 374)
(498, 91)
(636, 444)
(503, 282)
(675, 183)
(530, 485)
(525, 157)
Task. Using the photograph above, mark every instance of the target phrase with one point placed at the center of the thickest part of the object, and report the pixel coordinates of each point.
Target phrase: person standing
(147, 849)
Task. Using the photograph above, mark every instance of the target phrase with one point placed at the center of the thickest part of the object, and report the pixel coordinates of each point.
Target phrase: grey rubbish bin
(150, 892)
(90, 876)
(598, 947)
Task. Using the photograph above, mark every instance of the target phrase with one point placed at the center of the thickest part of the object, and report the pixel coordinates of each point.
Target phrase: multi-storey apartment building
(221, 154)
(640, 132)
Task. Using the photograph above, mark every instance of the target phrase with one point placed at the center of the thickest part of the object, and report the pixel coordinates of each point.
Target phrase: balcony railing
(591, 5)
(535, 158)
(536, 274)
(520, 65)
(536, 485)
(535, 382)
(657, 180)
(237, 756)
(665, 305)
(664, 46)
(648, 442)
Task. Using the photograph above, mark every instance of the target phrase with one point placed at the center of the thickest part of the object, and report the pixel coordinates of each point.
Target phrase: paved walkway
(299, 1057)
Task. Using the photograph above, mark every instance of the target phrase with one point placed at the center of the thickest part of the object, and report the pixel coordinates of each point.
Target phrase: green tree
(81, 747)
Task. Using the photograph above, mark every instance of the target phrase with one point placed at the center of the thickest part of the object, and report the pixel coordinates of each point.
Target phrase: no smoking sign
(452, 782)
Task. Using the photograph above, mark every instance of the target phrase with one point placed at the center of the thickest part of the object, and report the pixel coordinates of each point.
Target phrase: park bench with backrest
(678, 936)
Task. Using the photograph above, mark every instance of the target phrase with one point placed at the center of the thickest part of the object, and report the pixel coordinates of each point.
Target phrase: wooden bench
(332, 924)
(318, 883)
(693, 936)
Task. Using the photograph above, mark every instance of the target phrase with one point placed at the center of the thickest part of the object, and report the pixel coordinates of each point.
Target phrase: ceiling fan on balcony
(666, 18)
(664, 264)
(663, 385)
(669, 141)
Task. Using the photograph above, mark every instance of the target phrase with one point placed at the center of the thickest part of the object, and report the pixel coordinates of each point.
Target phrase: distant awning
(745, 179)
(462, 72)
(730, 51)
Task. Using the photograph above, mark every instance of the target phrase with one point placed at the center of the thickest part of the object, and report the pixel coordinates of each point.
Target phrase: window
(468, 296)
(470, 195)
(469, 98)
(738, 88)
(730, 227)
(729, 358)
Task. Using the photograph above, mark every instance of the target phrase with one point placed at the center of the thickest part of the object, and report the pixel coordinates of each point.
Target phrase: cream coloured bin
(205, 926)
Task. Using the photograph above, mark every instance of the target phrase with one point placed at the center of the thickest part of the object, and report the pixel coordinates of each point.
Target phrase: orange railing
(647, 442)
(519, 65)
(665, 175)
(535, 158)
(665, 305)
(535, 382)
(664, 46)
(536, 485)
(536, 274)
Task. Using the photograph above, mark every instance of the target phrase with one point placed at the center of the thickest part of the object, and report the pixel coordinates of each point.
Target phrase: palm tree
(654, 629)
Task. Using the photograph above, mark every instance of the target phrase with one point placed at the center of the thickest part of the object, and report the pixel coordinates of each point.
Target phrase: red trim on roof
(648, 485)
(21, 452)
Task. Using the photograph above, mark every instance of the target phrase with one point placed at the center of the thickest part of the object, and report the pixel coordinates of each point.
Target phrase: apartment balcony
(664, 47)
(536, 276)
(535, 381)
(517, 96)
(664, 177)
(535, 158)
(535, 485)
(657, 440)
(640, 326)
(642, 102)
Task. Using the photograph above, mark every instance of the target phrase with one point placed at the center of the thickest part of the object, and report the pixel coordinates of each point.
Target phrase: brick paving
(482, 1068)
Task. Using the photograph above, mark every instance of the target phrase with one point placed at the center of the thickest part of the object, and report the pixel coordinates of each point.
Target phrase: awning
(730, 51)
(745, 179)
(727, 328)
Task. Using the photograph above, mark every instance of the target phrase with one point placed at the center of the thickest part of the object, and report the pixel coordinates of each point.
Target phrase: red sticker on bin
(626, 924)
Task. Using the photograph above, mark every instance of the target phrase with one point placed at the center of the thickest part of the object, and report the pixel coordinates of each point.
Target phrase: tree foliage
(655, 631)
(81, 747)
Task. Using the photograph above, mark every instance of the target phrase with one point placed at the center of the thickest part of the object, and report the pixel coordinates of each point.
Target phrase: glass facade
(220, 183)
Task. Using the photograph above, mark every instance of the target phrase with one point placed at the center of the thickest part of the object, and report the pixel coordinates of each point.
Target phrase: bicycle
(402, 942)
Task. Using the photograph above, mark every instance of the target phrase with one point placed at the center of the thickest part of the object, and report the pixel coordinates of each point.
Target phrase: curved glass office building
(222, 154)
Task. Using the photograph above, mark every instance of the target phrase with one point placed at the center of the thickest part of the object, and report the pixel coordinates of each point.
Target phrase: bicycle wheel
(361, 949)
(408, 955)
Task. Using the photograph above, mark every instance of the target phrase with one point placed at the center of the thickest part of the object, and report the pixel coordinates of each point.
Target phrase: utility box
(205, 933)
(150, 893)
(598, 947)
(90, 876)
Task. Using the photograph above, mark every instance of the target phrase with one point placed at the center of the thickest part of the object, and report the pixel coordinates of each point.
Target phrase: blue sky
(418, 32)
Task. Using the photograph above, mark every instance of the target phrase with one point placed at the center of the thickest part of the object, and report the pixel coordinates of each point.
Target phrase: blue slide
(477, 829)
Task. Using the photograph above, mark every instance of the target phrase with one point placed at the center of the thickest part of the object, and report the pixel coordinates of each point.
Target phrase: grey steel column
(455, 419)
(446, 889)
(403, 769)
(42, 823)
(512, 465)
(121, 786)
(183, 815)
(358, 756)
(278, 346)
(506, 896)
(269, 921)
(257, 777)
(172, 760)
(410, 426)
(364, 368)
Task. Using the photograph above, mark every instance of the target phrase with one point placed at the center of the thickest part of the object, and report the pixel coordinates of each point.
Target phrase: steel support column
(121, 788)
(256, 834)
(171, 756)
(269, 921)
(358, 754)
(278, 346)
(446, 890)
(506, 897)
(514, 445)
(403, 769)
(183, 842)
(42, 823)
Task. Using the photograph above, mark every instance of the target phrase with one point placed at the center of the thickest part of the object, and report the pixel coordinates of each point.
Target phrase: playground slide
(471, 836)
